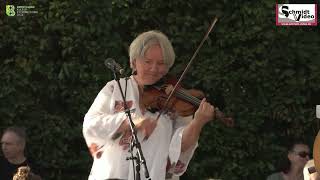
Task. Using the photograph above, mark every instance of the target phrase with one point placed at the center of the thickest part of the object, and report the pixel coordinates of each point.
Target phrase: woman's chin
(150, 82)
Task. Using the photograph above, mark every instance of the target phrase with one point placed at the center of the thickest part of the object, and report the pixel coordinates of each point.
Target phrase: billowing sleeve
(178, 161)
(100, 122)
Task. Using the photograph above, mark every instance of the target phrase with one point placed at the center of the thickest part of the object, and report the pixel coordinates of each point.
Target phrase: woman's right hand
(146, 126)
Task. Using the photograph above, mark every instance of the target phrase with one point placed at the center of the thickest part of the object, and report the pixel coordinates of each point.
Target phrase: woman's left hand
(205, 112)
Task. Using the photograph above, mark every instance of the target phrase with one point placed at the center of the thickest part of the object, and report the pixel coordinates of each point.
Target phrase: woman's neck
(295, 173)
(140, 89)
(137, 80)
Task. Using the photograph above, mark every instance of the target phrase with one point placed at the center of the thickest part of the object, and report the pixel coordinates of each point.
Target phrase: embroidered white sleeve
(179, 160)
(100, 123)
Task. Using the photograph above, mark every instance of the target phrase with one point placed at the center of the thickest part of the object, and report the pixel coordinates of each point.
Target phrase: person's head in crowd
(298, 154)
(13, 142)
(310, 172)
(291, 167)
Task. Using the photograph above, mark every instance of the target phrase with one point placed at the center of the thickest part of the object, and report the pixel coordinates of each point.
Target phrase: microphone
(113, 65)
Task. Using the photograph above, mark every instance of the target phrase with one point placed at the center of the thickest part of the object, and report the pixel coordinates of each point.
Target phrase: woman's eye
(147, 61)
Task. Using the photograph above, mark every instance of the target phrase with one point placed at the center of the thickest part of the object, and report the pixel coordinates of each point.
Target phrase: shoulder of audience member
(3, 160)
(35, 167)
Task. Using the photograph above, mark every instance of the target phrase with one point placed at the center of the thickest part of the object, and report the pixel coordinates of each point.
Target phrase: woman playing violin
(167, 141)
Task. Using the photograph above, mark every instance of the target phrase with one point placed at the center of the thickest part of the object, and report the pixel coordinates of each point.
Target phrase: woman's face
(150, 68)
(299, 155)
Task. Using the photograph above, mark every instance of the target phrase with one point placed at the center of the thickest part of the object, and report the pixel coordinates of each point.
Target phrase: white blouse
(162, 150)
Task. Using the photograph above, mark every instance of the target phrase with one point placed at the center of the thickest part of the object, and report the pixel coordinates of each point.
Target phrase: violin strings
(194, 100)
(188, 97)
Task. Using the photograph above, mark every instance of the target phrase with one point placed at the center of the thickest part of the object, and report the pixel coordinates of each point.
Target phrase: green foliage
(267, 77)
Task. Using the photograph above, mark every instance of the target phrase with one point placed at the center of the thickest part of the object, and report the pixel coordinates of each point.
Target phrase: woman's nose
(154, 67)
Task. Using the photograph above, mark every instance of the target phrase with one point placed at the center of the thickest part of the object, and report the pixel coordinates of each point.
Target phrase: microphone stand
(135, 142)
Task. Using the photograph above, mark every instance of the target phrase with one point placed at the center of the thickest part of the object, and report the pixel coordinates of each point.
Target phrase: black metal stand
(135, 142)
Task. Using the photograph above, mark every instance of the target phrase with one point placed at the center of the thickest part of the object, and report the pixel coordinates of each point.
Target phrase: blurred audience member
(292, 168)
(13, 143)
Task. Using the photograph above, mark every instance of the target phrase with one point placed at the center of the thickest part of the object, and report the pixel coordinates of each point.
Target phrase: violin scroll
(228, 121)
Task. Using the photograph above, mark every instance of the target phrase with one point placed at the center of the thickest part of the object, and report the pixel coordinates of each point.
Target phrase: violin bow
(188, 65)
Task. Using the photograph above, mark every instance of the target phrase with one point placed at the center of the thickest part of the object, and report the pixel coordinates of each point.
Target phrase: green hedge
(266, 76)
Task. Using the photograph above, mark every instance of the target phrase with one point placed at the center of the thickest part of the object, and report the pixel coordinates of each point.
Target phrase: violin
(184, 101)
(171, 96)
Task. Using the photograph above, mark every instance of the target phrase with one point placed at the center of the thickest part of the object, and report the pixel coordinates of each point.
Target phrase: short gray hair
(19, 131)
(144, 41)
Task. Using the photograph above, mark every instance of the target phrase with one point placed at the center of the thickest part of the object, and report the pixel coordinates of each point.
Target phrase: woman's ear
(133, 67)
(133, 64)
